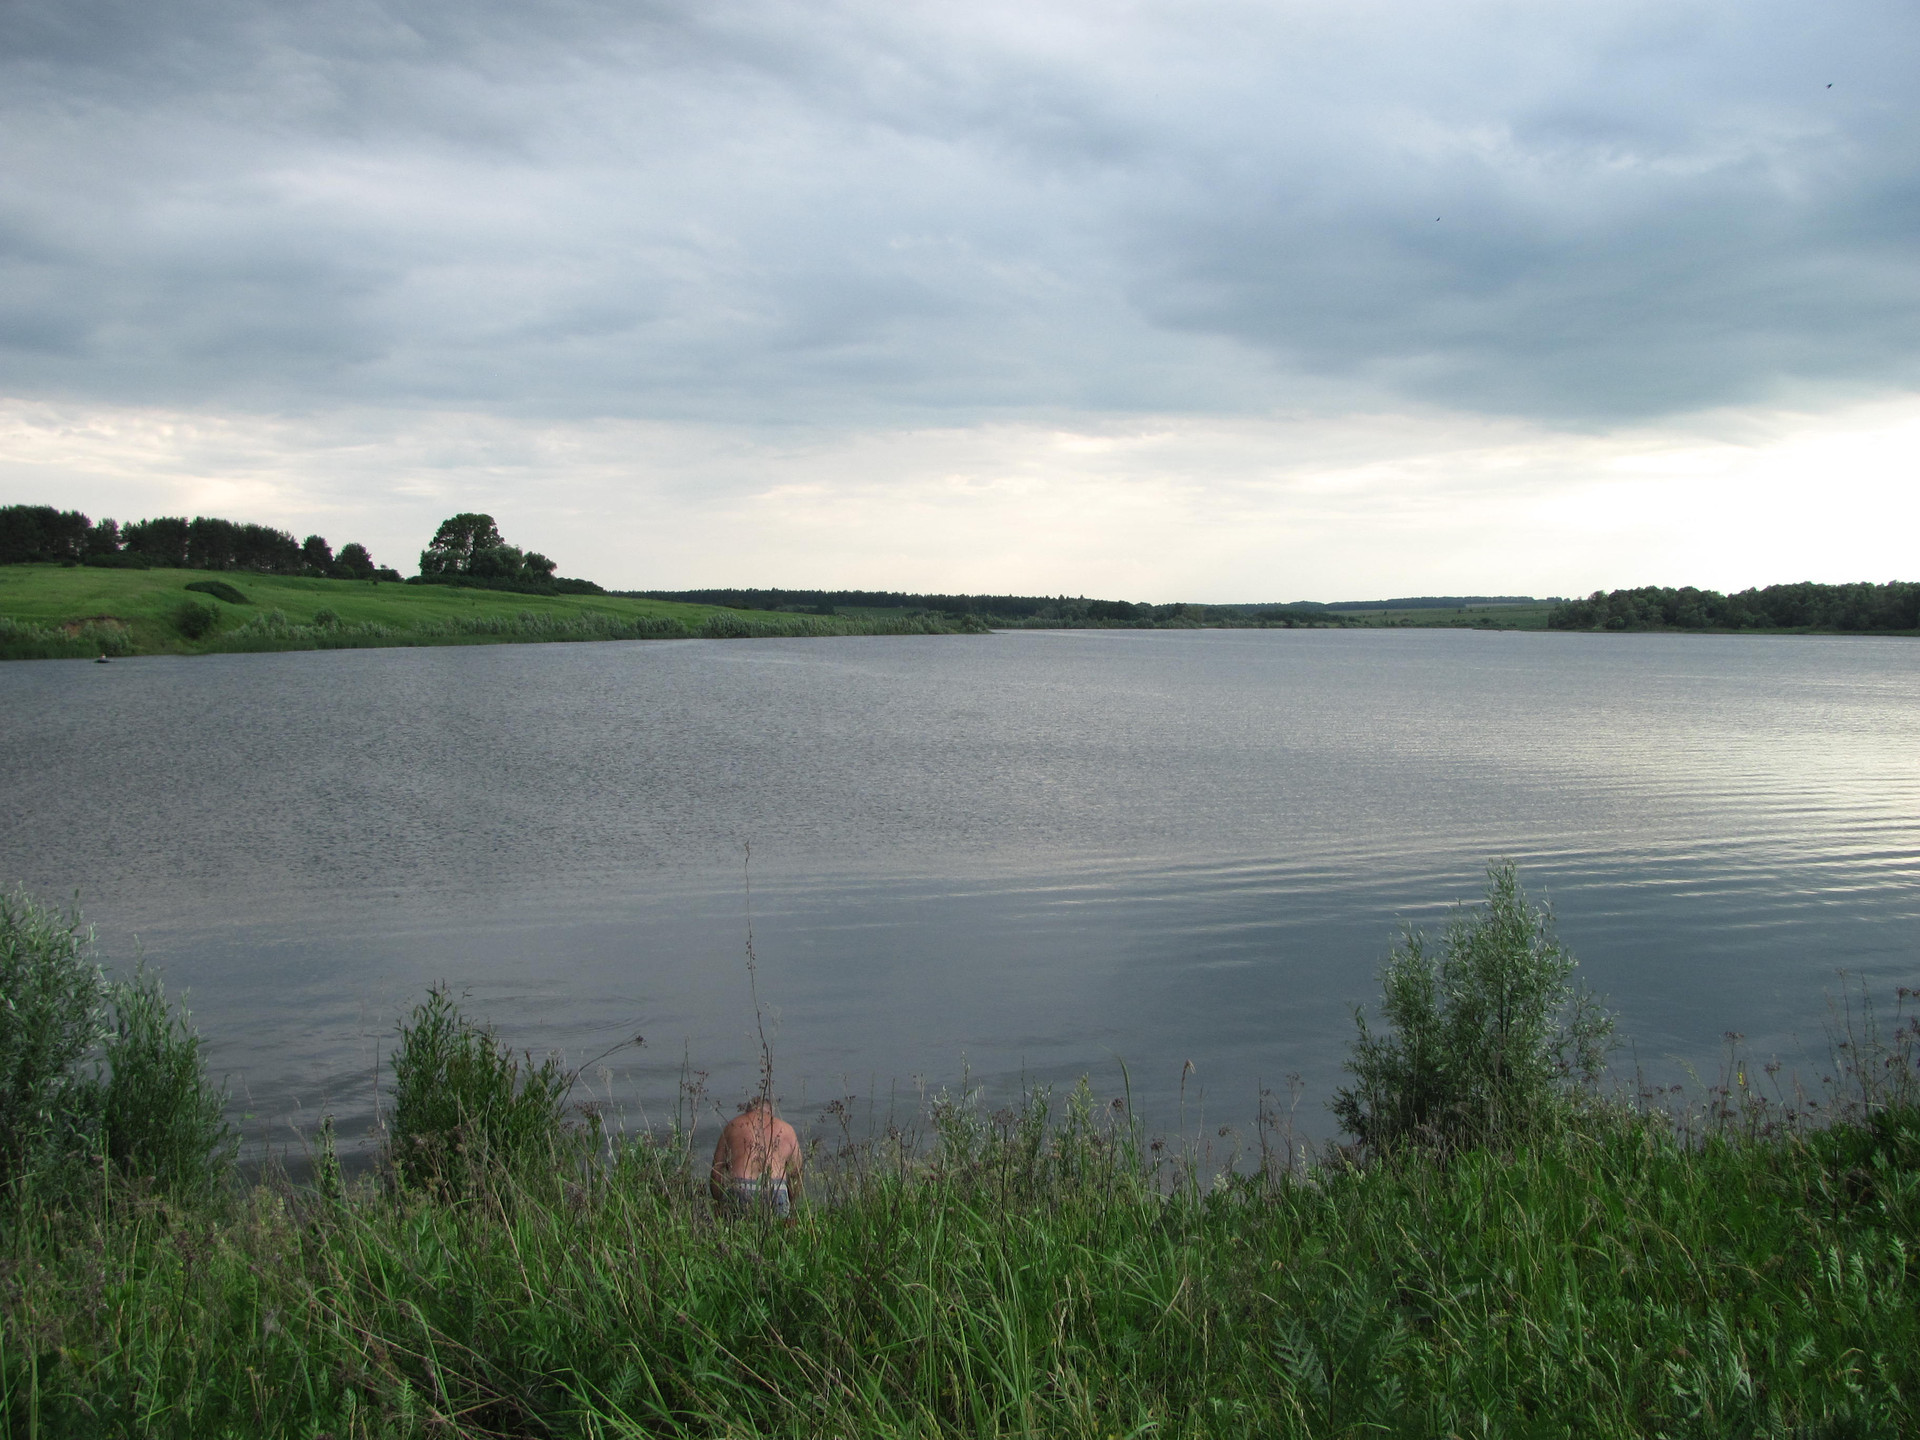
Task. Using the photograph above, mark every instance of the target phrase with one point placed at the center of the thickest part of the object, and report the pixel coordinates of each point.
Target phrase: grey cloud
(850, 213)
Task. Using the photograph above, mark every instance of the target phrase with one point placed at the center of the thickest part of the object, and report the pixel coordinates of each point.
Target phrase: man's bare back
(756, 1162)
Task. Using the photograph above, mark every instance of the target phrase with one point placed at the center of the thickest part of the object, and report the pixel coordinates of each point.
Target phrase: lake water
(1036, 854)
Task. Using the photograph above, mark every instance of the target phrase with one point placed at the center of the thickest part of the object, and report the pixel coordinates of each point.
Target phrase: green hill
(53, 611)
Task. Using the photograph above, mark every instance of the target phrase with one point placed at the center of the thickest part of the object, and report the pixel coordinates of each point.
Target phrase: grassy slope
(51, 595)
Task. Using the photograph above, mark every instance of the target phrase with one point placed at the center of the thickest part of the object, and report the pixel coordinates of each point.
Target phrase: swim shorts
(744, 1196)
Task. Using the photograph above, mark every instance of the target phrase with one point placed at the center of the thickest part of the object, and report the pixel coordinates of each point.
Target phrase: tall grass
(272, 630)
(1048, 1281)
(1741, 1265)
(23, 640)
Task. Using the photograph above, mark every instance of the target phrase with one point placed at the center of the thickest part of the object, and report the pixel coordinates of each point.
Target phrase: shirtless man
(756, 1163)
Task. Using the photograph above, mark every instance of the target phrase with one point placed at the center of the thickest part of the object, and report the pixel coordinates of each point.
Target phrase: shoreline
(52, 611)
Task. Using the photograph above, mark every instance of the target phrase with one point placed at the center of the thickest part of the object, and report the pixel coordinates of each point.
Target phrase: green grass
(1021, 1279)
(50, 611)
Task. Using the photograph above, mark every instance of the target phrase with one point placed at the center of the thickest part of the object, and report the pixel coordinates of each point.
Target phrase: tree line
(42, 534)
(1007, 607)
(1858, 607)
(466, 550)
(1008, 610)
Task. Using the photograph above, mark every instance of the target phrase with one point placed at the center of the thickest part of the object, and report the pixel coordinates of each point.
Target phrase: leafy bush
(158, 1117)
(52, 998)
(147, 1106)
(220, 590)
(194, 620)
(464, 1110)
(325, 618)
(1488, 1036)
(267, 622)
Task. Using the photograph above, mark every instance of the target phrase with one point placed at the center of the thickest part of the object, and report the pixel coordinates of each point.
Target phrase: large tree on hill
(458, 543)
(470, 544)
(353, 562)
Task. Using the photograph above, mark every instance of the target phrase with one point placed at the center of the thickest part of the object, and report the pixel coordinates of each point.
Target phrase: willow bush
(52, 1013)
(96, 1073)
(465, 1110)
(1489, 1040)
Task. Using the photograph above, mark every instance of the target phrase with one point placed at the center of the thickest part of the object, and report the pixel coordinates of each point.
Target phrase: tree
(353, 562)
(498, 562)
(1488, 1035)
(40, 532)
(456, 544)
(317, 554)
(162, 541)
(471, 545)
(104, 538)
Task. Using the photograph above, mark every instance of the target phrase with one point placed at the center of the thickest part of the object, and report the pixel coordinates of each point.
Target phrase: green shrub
(325, 618)
(52, 999)
(464, 1110)
(194, 620)
(220, 590)
(147, 1106)
(1489, 1039)
(104, 637)
(159, 1119)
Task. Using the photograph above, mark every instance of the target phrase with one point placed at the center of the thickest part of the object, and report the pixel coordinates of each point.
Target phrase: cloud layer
(829, 224)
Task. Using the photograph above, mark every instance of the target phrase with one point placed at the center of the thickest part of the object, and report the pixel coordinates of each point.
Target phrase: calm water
(1033, 854)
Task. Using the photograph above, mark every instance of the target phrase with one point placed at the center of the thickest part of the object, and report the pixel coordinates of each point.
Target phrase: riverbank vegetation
(1064, 612)
(1862, 608)
(1518, 1253)
(79, 612)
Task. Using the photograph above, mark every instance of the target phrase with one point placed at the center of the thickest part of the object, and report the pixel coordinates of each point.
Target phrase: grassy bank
(1601, 1267)
(1014, 1278)
(51, 611)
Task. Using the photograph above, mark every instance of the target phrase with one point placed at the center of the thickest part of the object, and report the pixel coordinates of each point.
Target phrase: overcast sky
(1210, 300)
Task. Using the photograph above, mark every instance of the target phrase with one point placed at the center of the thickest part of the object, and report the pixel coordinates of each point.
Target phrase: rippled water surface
(1035, 854)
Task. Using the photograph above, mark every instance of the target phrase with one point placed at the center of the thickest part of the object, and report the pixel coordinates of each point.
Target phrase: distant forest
(30, 533)
(1038, 611)
(1052, 611)
(1861, 607)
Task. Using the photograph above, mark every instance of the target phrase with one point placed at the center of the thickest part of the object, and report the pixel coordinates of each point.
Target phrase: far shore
(51, 611)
